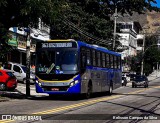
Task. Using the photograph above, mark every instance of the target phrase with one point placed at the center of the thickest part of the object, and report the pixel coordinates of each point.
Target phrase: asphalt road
(125, 105)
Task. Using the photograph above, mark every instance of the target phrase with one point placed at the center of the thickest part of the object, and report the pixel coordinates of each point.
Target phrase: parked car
(140, 80)
(132, 76)
(7, 80)
(19, 71)
(124, 81)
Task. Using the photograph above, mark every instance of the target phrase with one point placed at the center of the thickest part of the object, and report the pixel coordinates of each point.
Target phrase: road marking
(87, 103)
(77, 105)
(6, 121)
(135, 92)
(82, 104)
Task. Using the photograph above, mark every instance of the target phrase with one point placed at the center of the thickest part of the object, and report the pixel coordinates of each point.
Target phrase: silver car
(19, 71)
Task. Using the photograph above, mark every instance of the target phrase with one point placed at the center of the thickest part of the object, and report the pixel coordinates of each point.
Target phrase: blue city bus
(75, 67)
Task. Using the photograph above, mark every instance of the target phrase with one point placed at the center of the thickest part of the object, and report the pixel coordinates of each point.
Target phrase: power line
(83, 32)
(73, 26)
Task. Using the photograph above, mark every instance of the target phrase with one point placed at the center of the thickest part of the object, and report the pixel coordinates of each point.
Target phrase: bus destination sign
(56, 45)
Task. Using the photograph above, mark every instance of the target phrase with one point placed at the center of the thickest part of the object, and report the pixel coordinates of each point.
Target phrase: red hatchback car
(7, 80)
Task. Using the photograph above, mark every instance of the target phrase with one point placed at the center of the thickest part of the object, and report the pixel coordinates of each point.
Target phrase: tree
(90, 20)
(25, 13)
(151, 56)
(75, 22)
(92, 17)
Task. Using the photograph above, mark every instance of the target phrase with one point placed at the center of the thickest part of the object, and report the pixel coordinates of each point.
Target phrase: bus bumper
(75, 89)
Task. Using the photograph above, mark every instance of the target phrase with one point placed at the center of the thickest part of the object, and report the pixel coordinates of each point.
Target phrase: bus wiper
(50, 68)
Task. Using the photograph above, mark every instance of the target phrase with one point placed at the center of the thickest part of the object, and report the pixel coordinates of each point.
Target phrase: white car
(19, 71)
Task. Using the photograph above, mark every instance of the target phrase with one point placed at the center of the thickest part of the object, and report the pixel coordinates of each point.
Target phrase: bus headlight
(39, 83)
(73, 83)
(76, 81)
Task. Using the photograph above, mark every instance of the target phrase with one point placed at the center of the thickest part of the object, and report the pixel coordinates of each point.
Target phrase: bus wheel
(89, 91)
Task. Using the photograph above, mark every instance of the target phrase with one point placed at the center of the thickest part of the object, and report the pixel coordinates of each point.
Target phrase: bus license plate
(55, 89)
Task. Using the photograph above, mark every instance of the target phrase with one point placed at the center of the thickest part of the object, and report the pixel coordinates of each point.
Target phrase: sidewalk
(33, 92)
(19, 93)
(154, 75)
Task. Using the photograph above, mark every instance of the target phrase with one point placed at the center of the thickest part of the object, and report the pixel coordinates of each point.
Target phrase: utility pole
(142, 63)
(27, 30)
(115, 26)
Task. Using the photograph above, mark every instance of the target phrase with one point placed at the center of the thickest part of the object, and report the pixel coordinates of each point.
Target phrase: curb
(6, 96)
(154, 79)
(4, 99)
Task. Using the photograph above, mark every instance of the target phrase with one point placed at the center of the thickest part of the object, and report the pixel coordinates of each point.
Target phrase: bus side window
(107, 61)
(98, 59)
(88, 57)
(93, 58)
(115, 62)
(119, 61)
(111, 60)
(103, 60)
(83, 58)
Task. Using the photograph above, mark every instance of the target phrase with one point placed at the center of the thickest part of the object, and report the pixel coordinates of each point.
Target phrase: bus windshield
(51, 61)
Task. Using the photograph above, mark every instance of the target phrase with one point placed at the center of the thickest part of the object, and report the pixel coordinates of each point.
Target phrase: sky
(158, 3)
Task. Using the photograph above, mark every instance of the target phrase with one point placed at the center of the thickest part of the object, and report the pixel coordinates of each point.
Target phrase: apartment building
(128, 32)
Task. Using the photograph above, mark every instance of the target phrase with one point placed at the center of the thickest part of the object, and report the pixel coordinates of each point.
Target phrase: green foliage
(148, 68)
(90, 20)
(24, 13)
(87, 20)
(136, 63)
(80, 21)
(151, 56)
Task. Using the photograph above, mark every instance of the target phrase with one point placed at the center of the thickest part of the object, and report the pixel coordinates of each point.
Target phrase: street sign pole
(28, 63)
